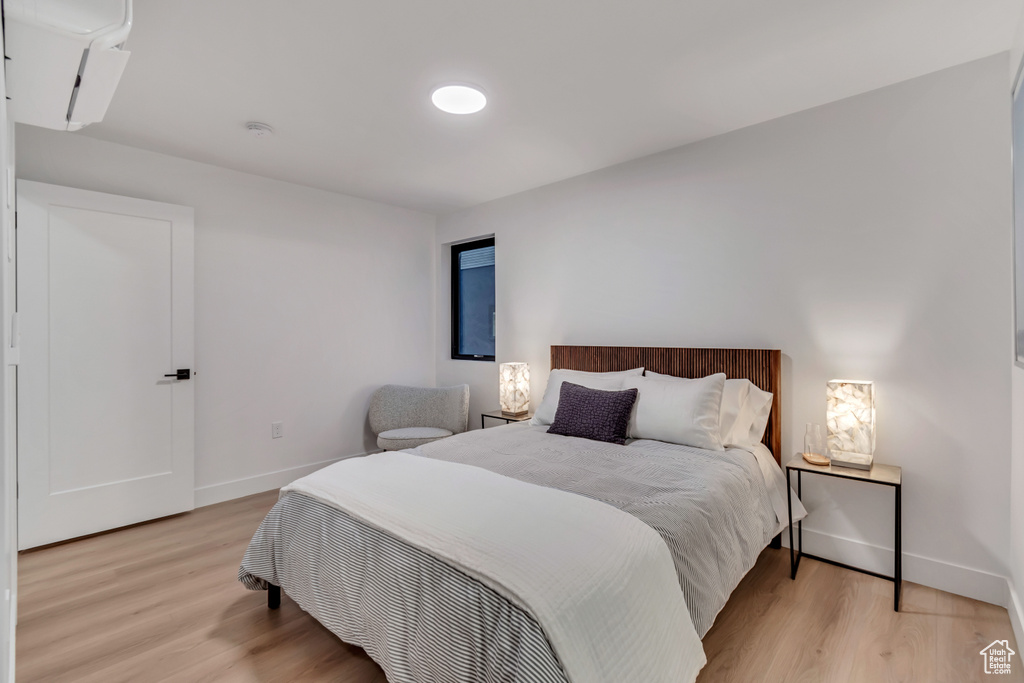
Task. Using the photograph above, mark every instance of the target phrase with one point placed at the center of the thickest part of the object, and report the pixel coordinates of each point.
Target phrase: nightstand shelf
(885, 475)
(498, 415)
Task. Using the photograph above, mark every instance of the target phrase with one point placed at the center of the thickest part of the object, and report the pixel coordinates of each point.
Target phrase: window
(473, 318)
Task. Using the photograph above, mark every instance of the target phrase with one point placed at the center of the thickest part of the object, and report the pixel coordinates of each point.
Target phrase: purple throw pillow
(592, 413)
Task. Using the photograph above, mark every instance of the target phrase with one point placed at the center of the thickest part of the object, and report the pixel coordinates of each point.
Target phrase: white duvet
(600, 583)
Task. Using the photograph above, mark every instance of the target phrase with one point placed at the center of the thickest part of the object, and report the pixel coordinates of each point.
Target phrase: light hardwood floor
(159, 602)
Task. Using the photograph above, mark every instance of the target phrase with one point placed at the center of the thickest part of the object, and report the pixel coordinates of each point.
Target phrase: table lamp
(850, 416)
(514, 388)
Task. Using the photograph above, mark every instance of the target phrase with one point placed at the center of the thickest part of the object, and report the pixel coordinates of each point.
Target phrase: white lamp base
(857, 461)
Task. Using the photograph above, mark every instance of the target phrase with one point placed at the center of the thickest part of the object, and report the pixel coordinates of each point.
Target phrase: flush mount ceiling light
(259, 130)
(458, 99)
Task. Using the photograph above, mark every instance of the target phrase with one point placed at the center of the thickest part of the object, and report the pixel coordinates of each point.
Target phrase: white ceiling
(573, 85)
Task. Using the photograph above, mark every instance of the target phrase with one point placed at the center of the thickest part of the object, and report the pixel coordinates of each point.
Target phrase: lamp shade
(850, 415)
(514, 388)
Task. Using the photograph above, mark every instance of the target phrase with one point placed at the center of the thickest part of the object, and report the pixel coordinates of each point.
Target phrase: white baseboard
(239, 488)
(1013, 606)
(927, 571)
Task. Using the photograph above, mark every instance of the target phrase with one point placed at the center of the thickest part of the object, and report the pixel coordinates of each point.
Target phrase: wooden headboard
(763, 367)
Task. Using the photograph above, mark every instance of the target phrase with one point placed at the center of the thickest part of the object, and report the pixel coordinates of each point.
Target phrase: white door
(105, 312)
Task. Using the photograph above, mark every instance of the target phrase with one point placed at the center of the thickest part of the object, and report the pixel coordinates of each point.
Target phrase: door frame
(8, 384)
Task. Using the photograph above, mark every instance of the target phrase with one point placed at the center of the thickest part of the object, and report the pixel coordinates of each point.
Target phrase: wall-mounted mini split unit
(65, 59)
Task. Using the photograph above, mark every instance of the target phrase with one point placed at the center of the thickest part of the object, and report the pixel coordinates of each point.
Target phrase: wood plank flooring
(159, 602)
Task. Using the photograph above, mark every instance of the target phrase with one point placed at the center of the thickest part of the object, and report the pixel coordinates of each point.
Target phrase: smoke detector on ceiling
(259, 130)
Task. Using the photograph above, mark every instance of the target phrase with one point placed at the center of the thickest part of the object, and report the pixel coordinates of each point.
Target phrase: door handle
(181, 374)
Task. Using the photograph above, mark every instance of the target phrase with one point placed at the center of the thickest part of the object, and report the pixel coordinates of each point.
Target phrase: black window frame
(457, 249)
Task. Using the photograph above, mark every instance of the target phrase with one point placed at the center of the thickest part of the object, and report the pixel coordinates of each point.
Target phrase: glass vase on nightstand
(814, 445)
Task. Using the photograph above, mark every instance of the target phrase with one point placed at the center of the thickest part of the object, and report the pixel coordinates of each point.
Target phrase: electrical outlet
(276, 430)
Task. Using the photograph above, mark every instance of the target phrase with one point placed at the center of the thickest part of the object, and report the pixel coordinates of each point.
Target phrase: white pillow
(736, 416)
(745, 408)
(609, 381)
(760, 404)
(683, 411)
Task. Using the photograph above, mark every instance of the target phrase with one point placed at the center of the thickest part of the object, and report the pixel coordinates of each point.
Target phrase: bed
(580, 560)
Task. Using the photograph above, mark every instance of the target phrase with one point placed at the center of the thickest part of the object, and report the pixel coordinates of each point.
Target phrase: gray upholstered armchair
(406, 417)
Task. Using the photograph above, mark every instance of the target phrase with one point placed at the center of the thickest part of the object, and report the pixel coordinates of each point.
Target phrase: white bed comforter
(600, 583)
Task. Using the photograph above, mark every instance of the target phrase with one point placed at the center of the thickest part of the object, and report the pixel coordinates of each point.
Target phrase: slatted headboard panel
(763, 367)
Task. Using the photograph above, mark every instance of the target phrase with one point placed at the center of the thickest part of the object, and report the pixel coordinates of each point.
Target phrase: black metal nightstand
(498, 415)
(886, 475)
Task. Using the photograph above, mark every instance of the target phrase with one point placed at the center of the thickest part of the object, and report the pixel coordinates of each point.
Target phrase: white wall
(1016, 607)
(1016, 551)
(1017, 49)
(306, 301)
(865, 238)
